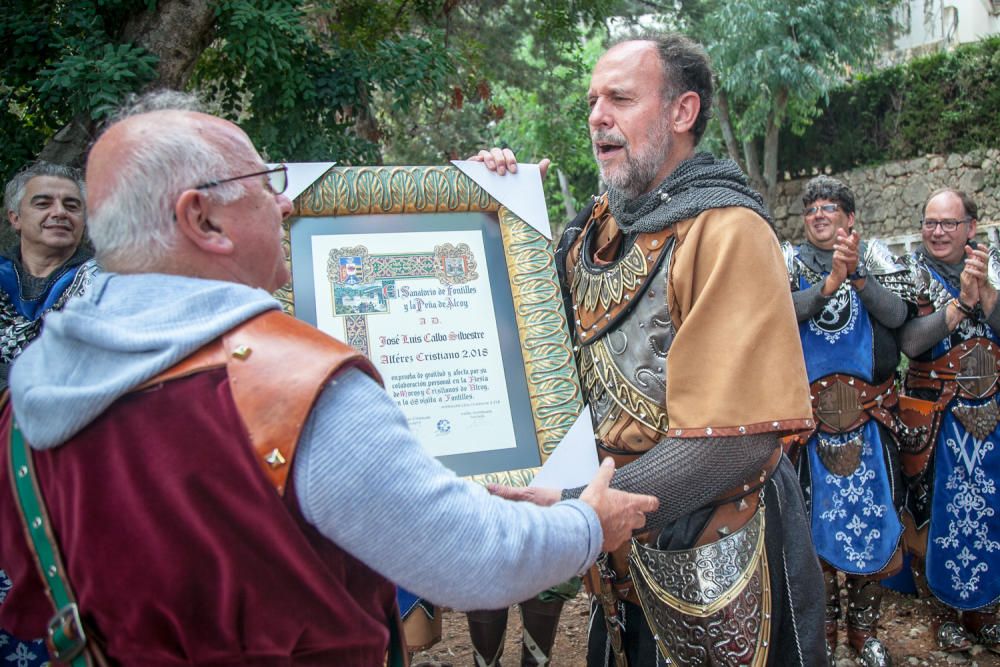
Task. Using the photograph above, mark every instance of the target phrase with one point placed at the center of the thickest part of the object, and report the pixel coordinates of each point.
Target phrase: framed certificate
(456, 301)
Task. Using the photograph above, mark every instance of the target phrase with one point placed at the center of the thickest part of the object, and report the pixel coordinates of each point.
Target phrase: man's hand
(977, 264)
(968, 292)
(531, 494)
(502, 160)
(845, 249)
(838, 272)
(620, 512)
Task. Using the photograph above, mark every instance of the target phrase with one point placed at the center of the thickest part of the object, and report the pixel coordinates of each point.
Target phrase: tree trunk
(177, 31)
(726, 124)
(752, 156)
(567, 195)
(774, 121)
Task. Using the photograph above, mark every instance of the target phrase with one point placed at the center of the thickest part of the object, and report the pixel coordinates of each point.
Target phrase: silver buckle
(66, 639)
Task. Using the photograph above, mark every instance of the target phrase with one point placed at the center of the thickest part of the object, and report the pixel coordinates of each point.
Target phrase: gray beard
(639, 171)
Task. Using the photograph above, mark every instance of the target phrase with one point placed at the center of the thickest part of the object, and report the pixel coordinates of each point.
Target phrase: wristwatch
(859, 272)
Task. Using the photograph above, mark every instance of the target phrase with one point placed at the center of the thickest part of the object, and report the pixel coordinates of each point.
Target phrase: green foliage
(335, 79)
(796, 46)
(58, 60)
(943, 103)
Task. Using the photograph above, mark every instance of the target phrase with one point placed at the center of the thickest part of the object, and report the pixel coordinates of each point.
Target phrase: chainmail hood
(697, 184)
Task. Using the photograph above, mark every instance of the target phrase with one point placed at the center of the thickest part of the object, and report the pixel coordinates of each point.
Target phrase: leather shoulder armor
(277, 366)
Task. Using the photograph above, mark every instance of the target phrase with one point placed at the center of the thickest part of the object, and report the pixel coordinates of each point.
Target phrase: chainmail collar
(950, 272)
(820, 260)
(697, 184)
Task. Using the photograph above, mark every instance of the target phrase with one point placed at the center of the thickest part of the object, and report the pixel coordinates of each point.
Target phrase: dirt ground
(907, 627)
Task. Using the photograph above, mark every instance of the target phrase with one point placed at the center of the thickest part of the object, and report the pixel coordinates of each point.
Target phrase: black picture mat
(301, 230)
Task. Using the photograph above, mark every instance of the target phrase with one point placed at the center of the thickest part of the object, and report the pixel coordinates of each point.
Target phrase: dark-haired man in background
(46, 206)
(850, 297)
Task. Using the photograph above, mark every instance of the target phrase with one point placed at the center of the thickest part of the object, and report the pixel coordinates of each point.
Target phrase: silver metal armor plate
(710, 605)
(625, 370)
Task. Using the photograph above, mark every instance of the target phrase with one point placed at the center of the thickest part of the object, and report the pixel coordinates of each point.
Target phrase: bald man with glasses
(950, 455)
(850, 297)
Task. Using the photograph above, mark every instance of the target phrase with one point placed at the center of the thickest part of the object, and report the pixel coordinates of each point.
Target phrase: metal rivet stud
(36, 522)
(275, 459)
(242, 352)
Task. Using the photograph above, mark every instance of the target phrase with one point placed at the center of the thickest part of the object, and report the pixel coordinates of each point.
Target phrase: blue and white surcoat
(855, 524)
(963, 539)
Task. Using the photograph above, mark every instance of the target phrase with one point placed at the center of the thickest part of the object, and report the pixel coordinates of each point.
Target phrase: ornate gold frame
(553, 385)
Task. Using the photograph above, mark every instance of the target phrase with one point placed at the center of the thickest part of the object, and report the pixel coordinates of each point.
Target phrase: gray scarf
(952, 273)
(697, 184)
(820, 260)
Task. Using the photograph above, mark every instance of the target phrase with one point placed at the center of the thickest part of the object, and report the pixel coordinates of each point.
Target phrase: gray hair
(134, 226)
(163, 99)
(828, 187)
(16, 187)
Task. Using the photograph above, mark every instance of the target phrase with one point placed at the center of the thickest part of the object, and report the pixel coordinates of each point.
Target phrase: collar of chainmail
(697, 184)
(950, 272)
(820, 260)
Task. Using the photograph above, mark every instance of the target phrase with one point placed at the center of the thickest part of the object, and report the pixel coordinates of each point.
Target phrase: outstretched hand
(502, 160)
(531, 494)
(620, 512)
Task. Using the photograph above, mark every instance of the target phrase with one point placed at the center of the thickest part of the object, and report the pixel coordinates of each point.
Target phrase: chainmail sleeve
(809, 302)
(993, 320)
(921, 334)
(884, 305)
(687, 473)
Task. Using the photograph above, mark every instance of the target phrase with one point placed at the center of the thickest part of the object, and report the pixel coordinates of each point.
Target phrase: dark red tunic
(179, 548)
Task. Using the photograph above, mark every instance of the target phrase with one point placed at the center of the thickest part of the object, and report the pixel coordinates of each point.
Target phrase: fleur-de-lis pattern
(15, 652)
(963, 552)
(854, 524)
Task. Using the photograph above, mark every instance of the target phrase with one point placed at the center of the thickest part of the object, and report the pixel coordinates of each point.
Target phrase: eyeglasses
(277, 179)
(826, 208)
(946, 225)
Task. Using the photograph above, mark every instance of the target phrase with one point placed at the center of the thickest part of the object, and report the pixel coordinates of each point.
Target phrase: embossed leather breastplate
(623, 331)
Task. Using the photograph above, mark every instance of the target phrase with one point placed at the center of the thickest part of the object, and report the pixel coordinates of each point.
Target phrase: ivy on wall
(943, 103)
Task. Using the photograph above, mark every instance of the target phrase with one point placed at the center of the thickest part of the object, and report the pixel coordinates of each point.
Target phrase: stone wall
(890, 197)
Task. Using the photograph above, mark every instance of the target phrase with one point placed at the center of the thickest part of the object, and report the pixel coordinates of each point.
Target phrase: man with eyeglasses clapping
(850, 297)
(950, 455)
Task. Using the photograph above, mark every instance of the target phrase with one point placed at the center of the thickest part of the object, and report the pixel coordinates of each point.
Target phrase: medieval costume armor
(949, 451)
(848, 465)
(689, 359)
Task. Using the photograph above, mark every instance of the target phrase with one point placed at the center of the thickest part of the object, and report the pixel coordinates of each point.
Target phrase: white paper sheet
(574, 461)
(521, 192)
(303, 174)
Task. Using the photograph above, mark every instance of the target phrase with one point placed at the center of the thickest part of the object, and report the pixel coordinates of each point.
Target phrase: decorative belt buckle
(66, 639)
(977, 373)
(838, 406)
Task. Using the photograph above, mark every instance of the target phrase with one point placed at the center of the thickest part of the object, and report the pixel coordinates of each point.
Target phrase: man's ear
(193, 213)
(687, 106)
(15, 221)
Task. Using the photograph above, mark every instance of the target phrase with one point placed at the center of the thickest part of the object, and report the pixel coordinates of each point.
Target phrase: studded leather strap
(277, 367)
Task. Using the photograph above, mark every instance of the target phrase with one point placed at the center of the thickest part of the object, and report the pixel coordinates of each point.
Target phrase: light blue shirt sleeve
(364, 482)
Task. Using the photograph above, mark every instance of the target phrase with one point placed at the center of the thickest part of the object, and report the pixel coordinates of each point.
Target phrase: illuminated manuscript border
(553, 385)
